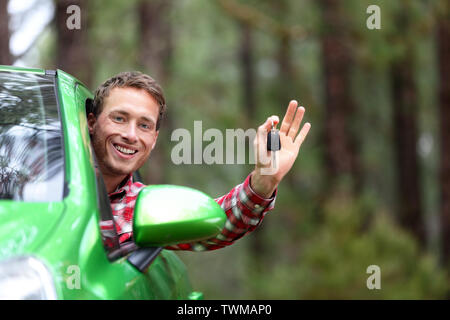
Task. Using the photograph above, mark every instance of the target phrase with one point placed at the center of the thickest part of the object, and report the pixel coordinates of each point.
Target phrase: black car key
(273, 140)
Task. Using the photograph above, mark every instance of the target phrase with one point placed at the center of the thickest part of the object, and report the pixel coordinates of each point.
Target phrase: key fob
(273, 140)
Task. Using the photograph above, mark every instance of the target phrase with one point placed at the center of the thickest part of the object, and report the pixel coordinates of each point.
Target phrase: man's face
(124, 133)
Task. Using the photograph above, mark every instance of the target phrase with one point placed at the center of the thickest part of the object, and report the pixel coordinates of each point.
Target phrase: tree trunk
(5, 54)
(404, 95)
(155, 38)
(248, 73)
(155, 57)
(341, 154)
(444, 115)
(249, 106)
(285, 66)
(72, 45)
(405, 133)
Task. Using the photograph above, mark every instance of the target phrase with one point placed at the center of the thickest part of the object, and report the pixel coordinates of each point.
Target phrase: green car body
(65, 237)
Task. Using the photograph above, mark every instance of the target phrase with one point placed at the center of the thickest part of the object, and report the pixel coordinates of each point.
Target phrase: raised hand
(270, 168)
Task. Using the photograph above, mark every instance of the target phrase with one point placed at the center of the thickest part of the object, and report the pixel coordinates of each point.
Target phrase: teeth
(124, 150)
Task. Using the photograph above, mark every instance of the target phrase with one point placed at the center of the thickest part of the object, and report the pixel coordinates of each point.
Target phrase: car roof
(22, 69)
(39, 71)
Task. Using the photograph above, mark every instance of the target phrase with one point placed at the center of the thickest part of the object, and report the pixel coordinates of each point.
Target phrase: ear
(91, 120)
(156, 138)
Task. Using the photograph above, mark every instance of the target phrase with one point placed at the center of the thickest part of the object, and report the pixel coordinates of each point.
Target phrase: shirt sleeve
(245, 210)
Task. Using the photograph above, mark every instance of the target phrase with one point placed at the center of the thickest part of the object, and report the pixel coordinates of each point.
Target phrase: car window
(31, 143)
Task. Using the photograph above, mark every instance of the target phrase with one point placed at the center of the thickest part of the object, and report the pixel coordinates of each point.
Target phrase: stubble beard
(106, 168)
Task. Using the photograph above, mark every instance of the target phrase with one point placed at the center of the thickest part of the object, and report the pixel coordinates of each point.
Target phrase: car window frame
(104, 205)
(52, 74)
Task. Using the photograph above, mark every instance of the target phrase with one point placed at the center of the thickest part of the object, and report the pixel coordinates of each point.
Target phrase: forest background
(371, 185)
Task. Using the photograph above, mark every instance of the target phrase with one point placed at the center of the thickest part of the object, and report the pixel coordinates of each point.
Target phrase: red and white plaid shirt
(244, 209)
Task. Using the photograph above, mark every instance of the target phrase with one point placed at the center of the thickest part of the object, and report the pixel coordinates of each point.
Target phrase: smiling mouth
(124, 150)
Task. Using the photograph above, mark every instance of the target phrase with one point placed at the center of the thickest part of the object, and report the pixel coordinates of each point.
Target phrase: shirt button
(257, 206)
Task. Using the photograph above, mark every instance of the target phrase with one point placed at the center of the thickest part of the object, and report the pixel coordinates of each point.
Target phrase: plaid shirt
(243, 207)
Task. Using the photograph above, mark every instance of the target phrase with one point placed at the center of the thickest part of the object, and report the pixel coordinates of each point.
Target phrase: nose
(130, 134)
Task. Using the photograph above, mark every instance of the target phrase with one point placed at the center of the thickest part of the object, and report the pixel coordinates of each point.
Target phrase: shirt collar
(123, 186)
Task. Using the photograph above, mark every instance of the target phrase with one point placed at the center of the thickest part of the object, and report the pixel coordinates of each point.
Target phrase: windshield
(31, 145)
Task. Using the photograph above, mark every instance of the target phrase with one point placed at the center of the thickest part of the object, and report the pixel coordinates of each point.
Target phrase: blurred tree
(404, 95)
(155, 53)
(73, 54)
(246, 57)
(287, 87)
(443, 38)
(251, 17)
(5, 54)
(249, 106)
(340, 142)
(255, 17)
(155, 38)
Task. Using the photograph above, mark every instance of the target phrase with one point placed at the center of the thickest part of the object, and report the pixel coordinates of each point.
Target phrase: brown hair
(134, 79)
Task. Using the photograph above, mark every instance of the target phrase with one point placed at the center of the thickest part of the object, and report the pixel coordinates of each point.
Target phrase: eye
(118, 118)
(145, 126)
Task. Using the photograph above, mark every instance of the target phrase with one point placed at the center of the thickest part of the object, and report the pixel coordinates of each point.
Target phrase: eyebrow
(127, 114)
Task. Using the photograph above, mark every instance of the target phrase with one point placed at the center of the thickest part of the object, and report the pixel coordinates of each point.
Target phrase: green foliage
(332, 262)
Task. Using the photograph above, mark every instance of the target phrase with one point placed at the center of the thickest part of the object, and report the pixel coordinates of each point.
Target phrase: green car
(57, 236)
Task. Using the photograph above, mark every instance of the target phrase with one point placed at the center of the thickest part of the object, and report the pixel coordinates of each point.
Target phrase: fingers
(288, 117)
(264, 129)
(302, 135)
(296, 123)
(290, 125)
(260, 143)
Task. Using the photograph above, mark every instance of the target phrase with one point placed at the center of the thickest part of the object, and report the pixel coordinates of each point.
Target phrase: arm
(245, 210)
(247, 204)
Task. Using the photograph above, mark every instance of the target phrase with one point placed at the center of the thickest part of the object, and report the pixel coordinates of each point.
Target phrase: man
(124, 127)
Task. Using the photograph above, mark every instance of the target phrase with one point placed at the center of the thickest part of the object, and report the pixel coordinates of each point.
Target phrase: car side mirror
(167, 215)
